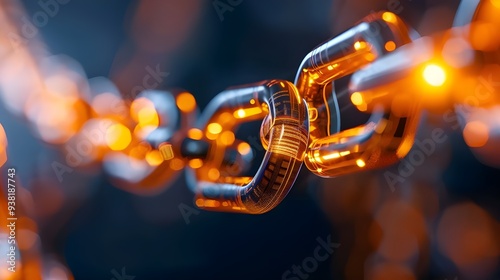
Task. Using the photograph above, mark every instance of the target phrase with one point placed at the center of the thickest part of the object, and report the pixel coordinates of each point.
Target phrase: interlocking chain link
(144, 144)
(288, 134)
(387, 137)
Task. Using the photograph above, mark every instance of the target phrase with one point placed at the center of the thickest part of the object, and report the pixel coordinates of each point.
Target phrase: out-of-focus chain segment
(161, 120)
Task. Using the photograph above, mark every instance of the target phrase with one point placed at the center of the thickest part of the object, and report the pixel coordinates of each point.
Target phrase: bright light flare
(361, 163)
(243, 113)
(389, 17)
(148, 117)
(143, 111)
(357, 99)
(359, 45)
(214, 128)
(434, 75)
(154, 158)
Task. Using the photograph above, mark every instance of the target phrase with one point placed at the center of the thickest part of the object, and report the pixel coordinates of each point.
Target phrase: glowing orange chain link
(455, 71)
(387, 136)
(287, 137)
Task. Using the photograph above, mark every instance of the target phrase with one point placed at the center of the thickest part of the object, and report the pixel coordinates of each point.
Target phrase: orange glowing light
(195, 163)
(318, 158)
(390, 46)
(3, 137)
(199, 202)
(139, 151)
(207, 203)
(357, 99)
(360, 45)
(224, 117)
(244, 148)
(148, 117)
(186, 102)
(195, 134)
(434, 75)
(331, 156)
(476, 134)
(176, 164)
(3, 157)
(389, 17)
(363, 107)
(252, 101)
(154, 158)
(3, 146)
(211, 136)
(242, 113)
(227, 138)
(361, 163)
(214, 128)
(484, 36)
(370, 57)
(345, 153)
(118, 137)
(138, 106)
(213, 174)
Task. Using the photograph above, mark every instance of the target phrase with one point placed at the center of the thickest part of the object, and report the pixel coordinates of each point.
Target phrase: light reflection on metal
(453, 70)
(380, 142)
(287, 137)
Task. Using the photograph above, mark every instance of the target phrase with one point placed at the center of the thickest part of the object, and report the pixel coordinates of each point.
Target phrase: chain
(144, 144)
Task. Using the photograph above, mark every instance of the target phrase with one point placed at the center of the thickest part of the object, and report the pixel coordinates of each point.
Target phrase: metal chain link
(144, 145)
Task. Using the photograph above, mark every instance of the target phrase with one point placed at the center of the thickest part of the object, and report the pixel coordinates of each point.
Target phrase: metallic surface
(385, 138)
(468, 57)
(218, 189)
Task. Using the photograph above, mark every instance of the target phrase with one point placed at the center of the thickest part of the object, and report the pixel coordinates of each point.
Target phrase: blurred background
(438, 219)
